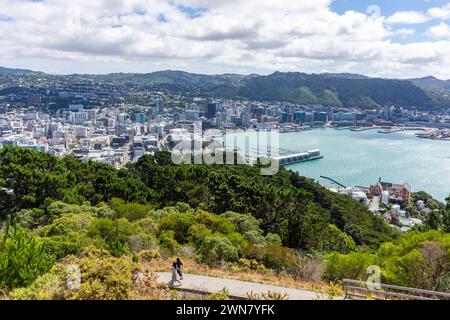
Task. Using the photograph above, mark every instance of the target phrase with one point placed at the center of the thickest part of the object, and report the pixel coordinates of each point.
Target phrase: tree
(22, 258)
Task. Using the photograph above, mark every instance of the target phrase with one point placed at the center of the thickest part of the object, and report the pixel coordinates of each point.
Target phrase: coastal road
(236, 289)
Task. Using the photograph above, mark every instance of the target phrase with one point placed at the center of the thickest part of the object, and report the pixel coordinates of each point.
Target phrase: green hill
(293, 207)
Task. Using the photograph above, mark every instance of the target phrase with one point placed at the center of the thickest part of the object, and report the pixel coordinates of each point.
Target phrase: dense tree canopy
(286, 204)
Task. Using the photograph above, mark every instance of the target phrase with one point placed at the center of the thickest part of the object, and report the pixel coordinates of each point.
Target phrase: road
(237, 289)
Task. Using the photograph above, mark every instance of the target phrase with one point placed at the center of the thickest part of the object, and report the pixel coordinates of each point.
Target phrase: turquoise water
(360, 158)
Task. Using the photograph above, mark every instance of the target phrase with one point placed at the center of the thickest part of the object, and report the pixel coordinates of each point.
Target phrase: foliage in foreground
(22, 258)
(418, 260)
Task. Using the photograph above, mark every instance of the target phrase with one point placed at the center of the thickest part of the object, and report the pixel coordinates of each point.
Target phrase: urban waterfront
(360, 158)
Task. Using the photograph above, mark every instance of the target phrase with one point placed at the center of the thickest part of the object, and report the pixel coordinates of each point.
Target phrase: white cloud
(224, 36)
(441, 30)
(405, 32)
(407, 17)
(440, 13)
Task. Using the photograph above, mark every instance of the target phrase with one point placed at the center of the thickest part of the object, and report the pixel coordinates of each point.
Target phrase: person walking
(174, 274)
(179, 265)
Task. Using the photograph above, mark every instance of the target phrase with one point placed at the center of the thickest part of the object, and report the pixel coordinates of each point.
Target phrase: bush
(72, 243)
(113, 235)
(215, 223)
(351, 266)
(22, 259)
(147, 225)
(30, 219)
(236, 239)
(46, 287)
(58, 208)
(66, 223)
(167, 241)
(148, 255)
(273, 238)
(217, 250)
(278, 258)
(103, 277)
(198, 233)
(130, 211)
(255, 237)
(333, 239)
(243, 222)
(180, 224)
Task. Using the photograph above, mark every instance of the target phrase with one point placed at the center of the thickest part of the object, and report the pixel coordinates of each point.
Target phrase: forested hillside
(289, 205)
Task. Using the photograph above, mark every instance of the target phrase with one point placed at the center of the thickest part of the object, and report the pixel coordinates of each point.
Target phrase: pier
(284, 157)
(334, 181)
(299, 157)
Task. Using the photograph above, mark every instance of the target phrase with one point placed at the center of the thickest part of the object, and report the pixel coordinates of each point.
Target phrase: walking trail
(236, 289)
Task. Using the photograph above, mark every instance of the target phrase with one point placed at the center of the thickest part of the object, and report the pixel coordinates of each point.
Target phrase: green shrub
(179, 223)
(255, 237)
(215, 223)
(148, 255)
(167, 241)
(103, 277)
(72, 243)
(30, 219)
(221, 295)
(45, 287)
(147, 225)
(278, 258)
(22, 259)
(130, 211)
(333, 239)
(69, 222)
(351, 266)
(273, 238)
(243, 222)
(237, 239)
(198, 233)
(217, 250)
(113, 234)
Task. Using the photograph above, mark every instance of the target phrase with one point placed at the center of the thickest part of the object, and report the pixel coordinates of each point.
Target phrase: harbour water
(361, 158)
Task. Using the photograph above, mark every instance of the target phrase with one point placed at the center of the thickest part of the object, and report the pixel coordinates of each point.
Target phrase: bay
(361, 158)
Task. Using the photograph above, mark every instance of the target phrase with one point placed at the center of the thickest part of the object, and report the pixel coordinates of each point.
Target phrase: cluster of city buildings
(107, 127)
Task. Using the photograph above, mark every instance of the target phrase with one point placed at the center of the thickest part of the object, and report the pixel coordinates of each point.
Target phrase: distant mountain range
(12, 71)
(336, 89)
(432, 83)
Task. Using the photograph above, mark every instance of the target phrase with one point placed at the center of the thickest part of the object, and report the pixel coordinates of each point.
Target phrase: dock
(284, 157)
(299, 157)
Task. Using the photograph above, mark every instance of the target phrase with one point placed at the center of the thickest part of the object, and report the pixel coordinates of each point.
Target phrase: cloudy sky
(388, 38)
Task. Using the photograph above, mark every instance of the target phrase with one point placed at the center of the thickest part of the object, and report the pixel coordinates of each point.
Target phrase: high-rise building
(159, 107)
(320, 117)
(219, 120)
(246, 119)
(139, 117)
(92, 114)
(78, 118)
(211, 110)
(300, 116)
(284, 117)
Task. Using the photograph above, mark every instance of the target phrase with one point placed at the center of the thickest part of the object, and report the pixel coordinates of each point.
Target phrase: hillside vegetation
(111, 224)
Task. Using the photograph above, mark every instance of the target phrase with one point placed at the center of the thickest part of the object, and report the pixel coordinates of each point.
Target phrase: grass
(256, 276)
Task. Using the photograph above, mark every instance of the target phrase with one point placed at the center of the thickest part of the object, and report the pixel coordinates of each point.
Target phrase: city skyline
(404, 39)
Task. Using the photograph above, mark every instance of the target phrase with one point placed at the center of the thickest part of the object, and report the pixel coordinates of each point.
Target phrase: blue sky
(388, 7)
(408, 38)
